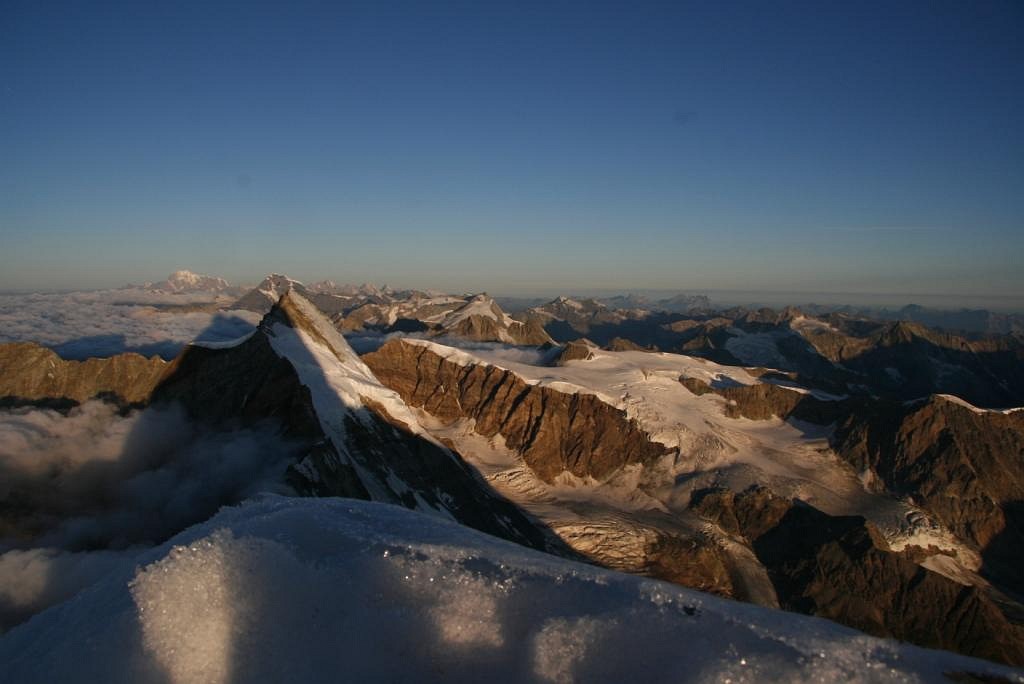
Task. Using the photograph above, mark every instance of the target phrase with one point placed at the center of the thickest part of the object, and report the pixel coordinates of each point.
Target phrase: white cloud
(82, 324)
(34, 579)
(96, 479)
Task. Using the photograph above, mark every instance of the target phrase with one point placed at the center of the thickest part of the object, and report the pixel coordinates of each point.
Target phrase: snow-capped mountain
(480, 319)
(476, 318)
(187, 281)
(262, 297)
(363, 440)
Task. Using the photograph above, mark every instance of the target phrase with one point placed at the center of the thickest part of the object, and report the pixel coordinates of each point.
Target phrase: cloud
(82, 324)
(99, 480)
(81, 495)
(35, 579)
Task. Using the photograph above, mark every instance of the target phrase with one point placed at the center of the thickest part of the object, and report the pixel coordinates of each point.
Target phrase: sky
(516, 147)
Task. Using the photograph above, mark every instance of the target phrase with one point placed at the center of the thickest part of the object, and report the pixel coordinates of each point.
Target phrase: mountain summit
(187, 281)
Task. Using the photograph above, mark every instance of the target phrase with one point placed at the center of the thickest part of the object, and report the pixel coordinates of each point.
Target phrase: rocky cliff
(30, 373)
(839, 567)
(553, 431)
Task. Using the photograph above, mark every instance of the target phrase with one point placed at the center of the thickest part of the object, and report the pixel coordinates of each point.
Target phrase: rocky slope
(963, 465)
(842, 569)
(32, 374)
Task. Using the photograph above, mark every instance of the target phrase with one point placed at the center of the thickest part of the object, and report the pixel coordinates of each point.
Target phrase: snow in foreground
(333, 589)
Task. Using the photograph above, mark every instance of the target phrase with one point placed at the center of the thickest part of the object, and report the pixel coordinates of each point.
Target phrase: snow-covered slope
(328, 590)
(340, 385)
(710, 448)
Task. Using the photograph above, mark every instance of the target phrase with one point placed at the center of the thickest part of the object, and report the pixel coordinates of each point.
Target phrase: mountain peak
(264, 296)
(187, 281)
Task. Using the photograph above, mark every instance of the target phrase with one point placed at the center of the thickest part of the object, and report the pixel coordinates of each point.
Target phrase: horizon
(856, 149)
(719, 297)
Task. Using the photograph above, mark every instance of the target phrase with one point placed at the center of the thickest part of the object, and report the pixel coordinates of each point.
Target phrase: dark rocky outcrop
(840, 568)
(622, 344)
(766, 400)
(553, 431)
(579, 350)
(962, 465)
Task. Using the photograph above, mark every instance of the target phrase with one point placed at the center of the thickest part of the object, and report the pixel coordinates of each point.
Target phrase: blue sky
(516, 147)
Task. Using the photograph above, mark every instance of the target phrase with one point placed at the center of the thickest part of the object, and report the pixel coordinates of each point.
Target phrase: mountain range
(864, 471)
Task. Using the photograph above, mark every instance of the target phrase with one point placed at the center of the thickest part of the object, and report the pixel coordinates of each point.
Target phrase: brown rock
(553, 431)
(580, 350)
(32, 373)
(839, 567)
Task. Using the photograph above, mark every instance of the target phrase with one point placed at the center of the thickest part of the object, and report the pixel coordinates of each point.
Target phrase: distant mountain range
(187, 281)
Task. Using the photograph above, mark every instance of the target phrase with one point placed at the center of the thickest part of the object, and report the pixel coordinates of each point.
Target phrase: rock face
(30, 373)
(580, 350)
(841, 569)
(270, 290)
(766, 400)
(554, 432)
(480, 319)
(963, 465)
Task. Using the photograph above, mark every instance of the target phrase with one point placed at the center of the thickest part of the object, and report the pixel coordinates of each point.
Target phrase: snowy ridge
(478, 305)
(187, 281)
(222, 344)
(275, 285)
(968, 405)
(330, 367)
(339, 383)
(302, 589)
(711, 448)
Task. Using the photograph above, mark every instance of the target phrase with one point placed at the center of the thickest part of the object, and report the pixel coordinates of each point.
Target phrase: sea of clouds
(78, 325)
